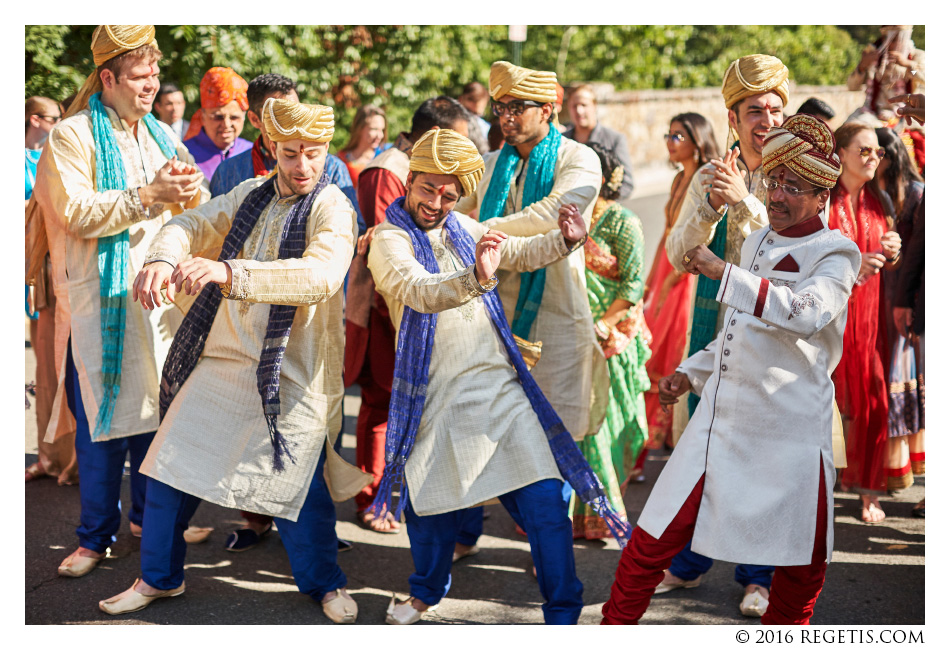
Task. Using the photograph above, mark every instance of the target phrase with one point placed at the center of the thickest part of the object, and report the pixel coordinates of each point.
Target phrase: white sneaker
(671, 582)
(754, 604)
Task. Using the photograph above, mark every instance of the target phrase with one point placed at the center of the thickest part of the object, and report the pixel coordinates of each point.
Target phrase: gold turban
(806, 145)
(108, 42)
(285, 119)
(523, 83)
(444, 151)
(752, 75)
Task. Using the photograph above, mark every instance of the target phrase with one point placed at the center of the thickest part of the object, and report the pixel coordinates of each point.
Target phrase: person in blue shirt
(257, 160)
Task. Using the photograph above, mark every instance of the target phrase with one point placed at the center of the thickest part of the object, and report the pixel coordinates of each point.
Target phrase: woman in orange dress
(691, 144)
(861, 387)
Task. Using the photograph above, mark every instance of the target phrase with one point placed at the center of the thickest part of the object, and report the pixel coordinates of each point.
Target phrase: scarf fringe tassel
(279, 443)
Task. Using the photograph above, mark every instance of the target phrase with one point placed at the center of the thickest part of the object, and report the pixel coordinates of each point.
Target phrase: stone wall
(644, 116)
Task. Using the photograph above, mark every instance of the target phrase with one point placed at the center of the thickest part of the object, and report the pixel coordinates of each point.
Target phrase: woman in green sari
(615, 282)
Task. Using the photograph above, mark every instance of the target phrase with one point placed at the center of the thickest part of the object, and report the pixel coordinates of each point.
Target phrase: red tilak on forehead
(442, 189)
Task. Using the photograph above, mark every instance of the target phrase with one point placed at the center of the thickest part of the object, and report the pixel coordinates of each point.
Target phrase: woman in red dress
(691, 144)
(861, 388)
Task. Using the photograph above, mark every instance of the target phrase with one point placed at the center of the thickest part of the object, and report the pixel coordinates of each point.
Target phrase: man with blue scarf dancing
(467, 422)
(252, 391)
(525, 184)
(110, 176)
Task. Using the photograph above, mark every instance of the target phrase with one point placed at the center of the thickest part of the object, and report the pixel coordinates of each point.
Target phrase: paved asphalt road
(876, 577)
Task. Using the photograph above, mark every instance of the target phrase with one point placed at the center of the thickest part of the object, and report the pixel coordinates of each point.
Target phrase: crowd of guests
(601, 345)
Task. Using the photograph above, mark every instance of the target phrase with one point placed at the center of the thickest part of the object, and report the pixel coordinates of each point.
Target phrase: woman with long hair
(614, 257)
(691, 144)
(367, 139)
(903, 188)
(860, 381)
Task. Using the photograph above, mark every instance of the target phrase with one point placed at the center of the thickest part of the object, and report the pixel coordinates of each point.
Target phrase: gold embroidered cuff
(707, 214)
(240, 280)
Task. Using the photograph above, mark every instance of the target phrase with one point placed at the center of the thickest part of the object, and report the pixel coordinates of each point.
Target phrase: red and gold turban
(219, 87)
(806, 145)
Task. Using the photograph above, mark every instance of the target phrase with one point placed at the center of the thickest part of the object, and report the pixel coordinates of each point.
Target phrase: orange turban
(219, 87)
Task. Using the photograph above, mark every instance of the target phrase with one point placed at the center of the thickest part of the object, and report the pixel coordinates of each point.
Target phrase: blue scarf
(114, 255)
(411, 382)
(539, 181)
(190, 339)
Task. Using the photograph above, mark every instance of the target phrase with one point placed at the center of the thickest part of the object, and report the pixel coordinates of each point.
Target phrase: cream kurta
(696, 225)
(764, 424)
(213, 442)
(75, 216)
(570, 355)
(478, 436)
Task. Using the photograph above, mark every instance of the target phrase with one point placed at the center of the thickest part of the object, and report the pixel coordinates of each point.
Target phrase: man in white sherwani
(110, 177)
(526, 182)
(766, 396)
(252, 390)
(465, 426)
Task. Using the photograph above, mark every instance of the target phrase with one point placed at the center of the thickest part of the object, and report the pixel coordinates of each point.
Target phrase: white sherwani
(478, 437)
(75, 216)
(213, 442)
(570, 355)
(763, 426)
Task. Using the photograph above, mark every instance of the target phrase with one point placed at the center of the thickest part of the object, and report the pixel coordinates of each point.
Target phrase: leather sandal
(76, 566)
(132, 601)
(34, 472)
(197, 535)
(341, 608)
(403, 613)
(754, 603)
(243, 539)
(671, 582)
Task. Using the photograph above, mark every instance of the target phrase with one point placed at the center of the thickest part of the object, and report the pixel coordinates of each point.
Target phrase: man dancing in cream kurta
(766, 395)
(724, 204)
(110, 176)
(253, 386)
(535, 173)
(464, 425)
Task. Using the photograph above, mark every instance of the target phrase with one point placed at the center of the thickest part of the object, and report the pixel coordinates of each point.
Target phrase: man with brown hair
(110, 177)
(585, 129)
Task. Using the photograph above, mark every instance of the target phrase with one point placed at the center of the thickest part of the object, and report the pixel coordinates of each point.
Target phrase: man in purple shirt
(214, 133)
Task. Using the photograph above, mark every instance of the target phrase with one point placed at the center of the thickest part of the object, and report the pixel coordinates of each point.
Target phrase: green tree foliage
(398, 66)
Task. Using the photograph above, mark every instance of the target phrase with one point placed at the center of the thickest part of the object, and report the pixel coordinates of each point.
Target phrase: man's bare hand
(871, 264)
(702, 260)
(868, 58)
(726, 183)
(671, 387)
(488, 255)
(171, 184)
(913, 107)
(572, 224)
(195, 274)
(903, 320)
(891, 243)
(148, 284)
(364, 240)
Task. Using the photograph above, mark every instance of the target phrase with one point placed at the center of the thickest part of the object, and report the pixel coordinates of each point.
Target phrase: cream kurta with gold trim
(214, 442)
(75, 216)
(478, 436)
(570, 355)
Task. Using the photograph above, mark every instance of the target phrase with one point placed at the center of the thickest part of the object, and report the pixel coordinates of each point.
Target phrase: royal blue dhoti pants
(689, 565)
(310, 542)
(100, 469)
(540, 511)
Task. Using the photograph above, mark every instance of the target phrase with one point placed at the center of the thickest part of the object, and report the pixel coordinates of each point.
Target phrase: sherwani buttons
(724, 367)
(761, 253)
(732, 322)
(771, 241)
(729, 336)
(755, 268)
(726, 352)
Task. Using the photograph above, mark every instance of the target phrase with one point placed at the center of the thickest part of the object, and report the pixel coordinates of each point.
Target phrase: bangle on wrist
(601, 329)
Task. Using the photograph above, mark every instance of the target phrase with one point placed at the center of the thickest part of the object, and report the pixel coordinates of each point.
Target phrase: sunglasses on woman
(516, 107)
(675, 137)
(865, 152)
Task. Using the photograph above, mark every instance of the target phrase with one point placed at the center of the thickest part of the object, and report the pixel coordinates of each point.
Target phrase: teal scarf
(706, 307)
(539, 181)
(114, 255)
